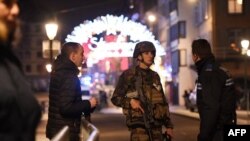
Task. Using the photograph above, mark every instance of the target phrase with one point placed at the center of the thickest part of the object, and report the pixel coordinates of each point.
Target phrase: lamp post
(246, 52)
(51, 30)
(151, 18)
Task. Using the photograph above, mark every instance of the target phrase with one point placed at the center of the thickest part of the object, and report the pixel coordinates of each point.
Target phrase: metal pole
(248, 116)
(246, 88)
(50, 51)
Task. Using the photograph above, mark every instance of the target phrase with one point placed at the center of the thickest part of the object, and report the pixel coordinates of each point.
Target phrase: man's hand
(93, 102)
(170, 132)
(136, 104)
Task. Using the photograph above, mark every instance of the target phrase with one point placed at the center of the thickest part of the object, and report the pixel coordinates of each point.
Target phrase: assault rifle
(166, 137)
(146, 106)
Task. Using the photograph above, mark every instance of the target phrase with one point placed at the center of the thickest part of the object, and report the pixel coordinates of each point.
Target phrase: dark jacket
(216, 98)
(20, 112)
(155, 100)
(65, 103)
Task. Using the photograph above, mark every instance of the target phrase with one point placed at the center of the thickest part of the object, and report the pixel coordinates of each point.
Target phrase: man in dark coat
(216, 97)
(65, 103)
(20, 112)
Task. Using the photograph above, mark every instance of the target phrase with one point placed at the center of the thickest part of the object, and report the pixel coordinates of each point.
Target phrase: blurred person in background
(65, 97)
(20, 112)
(186, 99)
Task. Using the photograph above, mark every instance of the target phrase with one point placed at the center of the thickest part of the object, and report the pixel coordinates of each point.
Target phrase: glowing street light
(248, 52)
(48, 67)
(151, 18)
(245, 44)
(51, 30)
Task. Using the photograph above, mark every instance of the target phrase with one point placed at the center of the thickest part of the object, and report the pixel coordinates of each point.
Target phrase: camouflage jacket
(151, 88)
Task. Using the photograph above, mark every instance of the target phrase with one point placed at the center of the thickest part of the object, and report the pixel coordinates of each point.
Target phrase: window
(235, 6)
(175, 61)
(182, 29)
(39, 54)
(201, 12)
(178, 30)
(174, 32)
(173, 5)
(28, 68)
(234, 37)
(40, 68)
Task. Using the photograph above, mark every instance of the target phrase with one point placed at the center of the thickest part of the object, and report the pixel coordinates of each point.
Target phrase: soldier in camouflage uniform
(126, 95)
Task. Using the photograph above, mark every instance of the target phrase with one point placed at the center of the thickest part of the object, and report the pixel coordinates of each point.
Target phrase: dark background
(70, 13)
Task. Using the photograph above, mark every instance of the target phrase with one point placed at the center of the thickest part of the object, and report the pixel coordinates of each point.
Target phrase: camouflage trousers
(141, 134)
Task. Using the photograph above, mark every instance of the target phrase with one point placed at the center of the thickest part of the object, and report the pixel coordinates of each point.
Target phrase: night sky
(70, 13)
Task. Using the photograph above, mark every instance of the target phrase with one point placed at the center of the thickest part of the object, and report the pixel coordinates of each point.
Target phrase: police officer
(216, 97)
(154, 106)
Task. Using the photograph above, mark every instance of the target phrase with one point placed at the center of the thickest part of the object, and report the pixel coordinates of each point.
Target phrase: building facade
(29, 51)
(224, 23)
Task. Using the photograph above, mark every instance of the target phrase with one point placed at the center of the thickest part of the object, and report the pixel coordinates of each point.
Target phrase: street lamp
(246, 52)
(48, 67)
(151, 17)
(51, 30)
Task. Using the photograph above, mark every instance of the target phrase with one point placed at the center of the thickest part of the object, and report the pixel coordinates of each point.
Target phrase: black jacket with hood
(65, 103)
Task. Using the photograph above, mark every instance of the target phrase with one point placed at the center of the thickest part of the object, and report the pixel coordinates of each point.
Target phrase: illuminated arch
(111, 36)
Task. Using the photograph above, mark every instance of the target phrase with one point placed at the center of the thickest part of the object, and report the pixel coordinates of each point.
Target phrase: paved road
(112, 127)
(186, 128)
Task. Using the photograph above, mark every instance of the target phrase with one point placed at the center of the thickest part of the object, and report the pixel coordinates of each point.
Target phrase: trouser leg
(141, 134)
